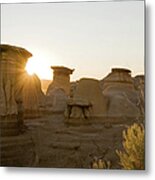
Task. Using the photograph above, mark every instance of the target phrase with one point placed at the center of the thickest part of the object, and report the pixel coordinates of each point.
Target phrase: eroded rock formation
(117, 98)
(59, 90)
(87, 99)
(33, 97)
(78, 111)
(139, 82)
(89, 89)
(56, 101)
(61, 79)
(12, 64)
(16, 148)
(122, 96)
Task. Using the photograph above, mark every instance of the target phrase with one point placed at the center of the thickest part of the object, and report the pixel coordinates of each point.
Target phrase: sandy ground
(62, 146)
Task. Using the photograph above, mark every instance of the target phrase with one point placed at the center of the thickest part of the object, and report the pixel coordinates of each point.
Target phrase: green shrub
(133, 155)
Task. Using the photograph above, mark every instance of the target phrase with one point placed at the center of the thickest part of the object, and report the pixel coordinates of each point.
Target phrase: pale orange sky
(89, 37)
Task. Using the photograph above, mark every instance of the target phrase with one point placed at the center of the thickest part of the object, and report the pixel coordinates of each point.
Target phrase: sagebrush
(133, 155)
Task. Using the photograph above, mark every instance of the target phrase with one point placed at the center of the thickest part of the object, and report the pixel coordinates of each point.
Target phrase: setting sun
(39, 66)
(30, 68)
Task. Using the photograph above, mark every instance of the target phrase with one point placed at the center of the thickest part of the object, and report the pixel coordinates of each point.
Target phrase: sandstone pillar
(59, 90)
(12, 63)
(118, 87)
(16, 149)
(61, 78)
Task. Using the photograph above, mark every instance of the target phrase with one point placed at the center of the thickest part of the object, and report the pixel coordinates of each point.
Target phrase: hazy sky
(90, 37)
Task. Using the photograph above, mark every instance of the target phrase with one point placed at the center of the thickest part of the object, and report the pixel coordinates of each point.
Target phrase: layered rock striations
(16, 148)
(122, 96)
(12, 64)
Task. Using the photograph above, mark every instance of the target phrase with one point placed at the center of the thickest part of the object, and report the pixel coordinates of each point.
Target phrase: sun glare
(40, 67)
(30, 67)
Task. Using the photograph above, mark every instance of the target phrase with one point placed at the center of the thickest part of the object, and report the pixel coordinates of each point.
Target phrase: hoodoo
(17, 148)
(118, 87)
(59, 90)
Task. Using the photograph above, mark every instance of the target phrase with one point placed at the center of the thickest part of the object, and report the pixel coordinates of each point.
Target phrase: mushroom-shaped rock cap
(23, 52)
(119, 75)
(123, 70)
(62, 69)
